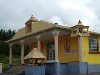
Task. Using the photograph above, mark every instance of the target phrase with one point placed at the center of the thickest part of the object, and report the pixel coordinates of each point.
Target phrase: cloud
(56, 19)
(14, 13)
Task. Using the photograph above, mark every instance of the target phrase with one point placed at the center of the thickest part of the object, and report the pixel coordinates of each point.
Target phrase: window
(67, 45)
(93, 43)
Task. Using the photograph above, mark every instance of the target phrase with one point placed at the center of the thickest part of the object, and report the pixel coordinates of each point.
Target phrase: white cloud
(56, 19)
(14, 13)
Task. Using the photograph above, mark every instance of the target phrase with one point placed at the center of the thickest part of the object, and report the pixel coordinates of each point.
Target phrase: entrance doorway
(50, 51)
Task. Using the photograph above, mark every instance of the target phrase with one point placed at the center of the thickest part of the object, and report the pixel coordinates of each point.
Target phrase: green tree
(4, 48)
(4, 36)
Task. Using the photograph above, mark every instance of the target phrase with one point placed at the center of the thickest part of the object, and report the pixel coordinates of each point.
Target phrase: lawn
(5, 61)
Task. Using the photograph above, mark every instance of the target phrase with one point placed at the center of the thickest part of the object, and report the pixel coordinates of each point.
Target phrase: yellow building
(74, 47)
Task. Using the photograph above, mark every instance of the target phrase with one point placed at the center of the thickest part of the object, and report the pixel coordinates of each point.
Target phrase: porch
(56, 44)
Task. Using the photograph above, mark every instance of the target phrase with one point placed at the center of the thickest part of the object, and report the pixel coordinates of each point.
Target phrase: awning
(35, 54)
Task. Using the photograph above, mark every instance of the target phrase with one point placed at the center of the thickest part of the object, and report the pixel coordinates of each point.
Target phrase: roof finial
(32, 15)
(79, 22)
(32, 19)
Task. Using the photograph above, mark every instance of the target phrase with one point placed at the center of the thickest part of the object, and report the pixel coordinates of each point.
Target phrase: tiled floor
(7, 74)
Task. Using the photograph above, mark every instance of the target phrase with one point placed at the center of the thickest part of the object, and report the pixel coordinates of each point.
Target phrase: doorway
(50, 51)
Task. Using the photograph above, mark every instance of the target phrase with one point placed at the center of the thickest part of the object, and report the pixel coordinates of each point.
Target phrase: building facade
(67, 49)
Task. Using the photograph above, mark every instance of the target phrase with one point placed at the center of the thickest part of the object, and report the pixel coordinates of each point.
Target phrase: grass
(16, 60)
(5, 61)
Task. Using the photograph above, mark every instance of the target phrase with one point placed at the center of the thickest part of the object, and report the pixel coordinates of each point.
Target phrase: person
(39, 62)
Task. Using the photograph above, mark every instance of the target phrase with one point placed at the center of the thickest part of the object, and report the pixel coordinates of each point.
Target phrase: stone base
(57, 68)
(35, 70)
(77, 68)
(66, 68)
(92, 68)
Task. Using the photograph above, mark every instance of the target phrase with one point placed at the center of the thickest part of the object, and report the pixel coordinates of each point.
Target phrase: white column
(81, 53)
(10, 54)
(22, 52)
(38, 42)
(56, 47)
(56, 33)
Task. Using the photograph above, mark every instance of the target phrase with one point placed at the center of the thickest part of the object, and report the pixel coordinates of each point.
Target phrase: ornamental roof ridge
(32, 19)
(48, 22)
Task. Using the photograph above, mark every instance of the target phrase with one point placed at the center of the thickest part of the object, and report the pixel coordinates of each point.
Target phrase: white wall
(0, 67)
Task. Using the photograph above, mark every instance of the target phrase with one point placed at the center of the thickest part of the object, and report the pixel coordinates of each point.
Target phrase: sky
(14, 13)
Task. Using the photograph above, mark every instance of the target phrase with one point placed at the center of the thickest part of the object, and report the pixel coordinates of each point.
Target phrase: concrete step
(16, 69)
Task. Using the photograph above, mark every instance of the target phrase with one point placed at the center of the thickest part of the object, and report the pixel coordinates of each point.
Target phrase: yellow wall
(39, 26)
(68, 57)
(90, 58)
(63, 57)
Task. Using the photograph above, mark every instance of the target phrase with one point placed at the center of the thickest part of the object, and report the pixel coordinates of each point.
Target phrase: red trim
(32, 45)
(41, 45)
(94, 52)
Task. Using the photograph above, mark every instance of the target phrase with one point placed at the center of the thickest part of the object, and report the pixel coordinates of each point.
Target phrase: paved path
(66, 74)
